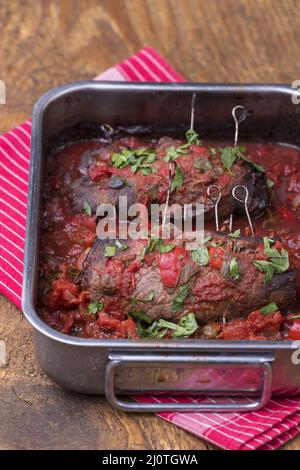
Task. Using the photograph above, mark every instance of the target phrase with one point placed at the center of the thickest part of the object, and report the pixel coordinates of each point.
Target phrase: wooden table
(47, 43)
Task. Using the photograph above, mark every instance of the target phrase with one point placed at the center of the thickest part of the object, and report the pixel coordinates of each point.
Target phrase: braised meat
(230, 288)
(139, 170)
(167, 284)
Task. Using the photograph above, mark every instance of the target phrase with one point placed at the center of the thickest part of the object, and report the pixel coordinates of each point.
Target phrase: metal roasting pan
(249, 370)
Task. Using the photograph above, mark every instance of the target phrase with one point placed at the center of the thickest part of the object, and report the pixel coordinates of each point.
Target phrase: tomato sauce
(68, 234)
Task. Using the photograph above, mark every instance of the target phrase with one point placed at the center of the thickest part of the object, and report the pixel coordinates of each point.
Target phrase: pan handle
(262, 361)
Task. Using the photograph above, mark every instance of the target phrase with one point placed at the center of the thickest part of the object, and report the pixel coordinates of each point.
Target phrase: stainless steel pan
(120, 367)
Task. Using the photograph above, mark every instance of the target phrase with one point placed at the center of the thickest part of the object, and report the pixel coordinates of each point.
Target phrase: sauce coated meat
(234, 287)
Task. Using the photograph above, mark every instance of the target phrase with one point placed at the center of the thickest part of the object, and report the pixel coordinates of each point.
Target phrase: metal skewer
(237, 120)
(172, 167)
(244, 202)
(215, 199)
(193, 111)
(108, 131)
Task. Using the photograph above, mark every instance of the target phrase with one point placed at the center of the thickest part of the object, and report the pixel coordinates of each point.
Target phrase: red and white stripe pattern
(269, 428)
(266, 429)
(14, 169)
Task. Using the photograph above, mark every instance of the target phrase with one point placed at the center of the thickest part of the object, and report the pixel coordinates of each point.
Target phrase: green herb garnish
(192, 137)
(277, 263)
(235, 234)
(95, 307)
(137, 159)
(201, 256)
(231, 268)
(143, 253)
(150, 296)
(174, 153)
(234, 268)
(186, 326)
(177, 179)
(121, 246)
(229, 155)
(256, 166)
(270, 308)
(270, 183)
(87, 208)
(151, 245)
(165, 248)
(180, 298)
(153, 331)
(294, 317)
(141, 316)
(110, 251)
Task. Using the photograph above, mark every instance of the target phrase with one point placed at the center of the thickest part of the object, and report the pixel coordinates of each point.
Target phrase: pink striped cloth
(268, 428)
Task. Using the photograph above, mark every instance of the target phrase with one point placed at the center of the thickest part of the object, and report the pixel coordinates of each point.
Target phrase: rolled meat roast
(221, 280)
(139, 171)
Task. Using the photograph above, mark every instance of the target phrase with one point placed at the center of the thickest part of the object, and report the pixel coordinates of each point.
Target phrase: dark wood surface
(47, 43)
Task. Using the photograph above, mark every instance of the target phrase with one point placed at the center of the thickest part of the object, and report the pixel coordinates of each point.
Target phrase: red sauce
(67, 235)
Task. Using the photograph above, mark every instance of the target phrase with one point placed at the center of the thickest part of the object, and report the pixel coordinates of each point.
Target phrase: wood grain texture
(47, 43)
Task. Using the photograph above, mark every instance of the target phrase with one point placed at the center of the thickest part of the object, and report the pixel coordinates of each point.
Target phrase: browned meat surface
(103, 182)
(88, 290)
(152, 286)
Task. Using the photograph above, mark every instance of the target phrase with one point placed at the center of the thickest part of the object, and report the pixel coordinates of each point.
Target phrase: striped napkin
(268, 428)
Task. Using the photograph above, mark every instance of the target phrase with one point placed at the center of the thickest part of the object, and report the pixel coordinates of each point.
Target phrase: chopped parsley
(234, 268)
(231, 268)
(87, 208)
(256, 166)
(192, 137)
(140, 316)
(177, 179)
(137, 159)
(229, 155)
(165, 248)
(174, 153)
(294, 317)
(154, 243)
(277, 263)
(235, 234)
(95, 307)
(150, 296)
(110, 251)
(151, 245)
(270, 308)
(186, 326)
(180, 298)
(121, 246)
(201, 256)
